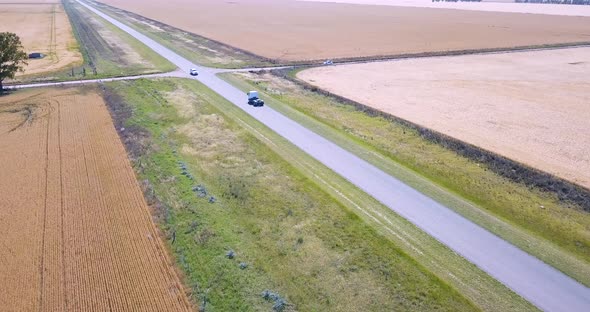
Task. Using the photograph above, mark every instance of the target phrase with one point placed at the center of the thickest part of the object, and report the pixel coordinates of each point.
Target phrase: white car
(328, 62)
(194, 72)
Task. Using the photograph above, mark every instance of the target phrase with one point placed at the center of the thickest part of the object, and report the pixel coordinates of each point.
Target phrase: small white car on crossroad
(194, 72)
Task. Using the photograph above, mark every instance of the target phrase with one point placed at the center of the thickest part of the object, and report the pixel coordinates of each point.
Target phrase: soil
(75, 231)
(531, 107)
(291, 30)
(42, 27)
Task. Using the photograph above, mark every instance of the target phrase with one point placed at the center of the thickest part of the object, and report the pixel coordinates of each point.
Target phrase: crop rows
(82, 237)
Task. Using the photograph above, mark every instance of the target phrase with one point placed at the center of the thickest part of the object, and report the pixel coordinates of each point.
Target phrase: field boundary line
(61, 209)
(53, 36)
(363, 59)
(419, 55)
(42, 264)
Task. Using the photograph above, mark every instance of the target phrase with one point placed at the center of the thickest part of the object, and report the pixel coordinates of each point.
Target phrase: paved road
(176, 73)
(237, 70)
(536, 281)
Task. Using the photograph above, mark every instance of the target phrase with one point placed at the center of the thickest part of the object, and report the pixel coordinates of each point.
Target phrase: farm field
(527, 106)
(43, 27)
(485, 5)
(289, 30)
(75, 230)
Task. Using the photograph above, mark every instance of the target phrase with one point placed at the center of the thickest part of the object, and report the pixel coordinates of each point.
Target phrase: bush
(279, 303)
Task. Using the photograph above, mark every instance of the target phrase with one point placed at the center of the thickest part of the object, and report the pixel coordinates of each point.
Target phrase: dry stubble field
(75, 231)
(529, 106)
(42, 26)
(291, 30)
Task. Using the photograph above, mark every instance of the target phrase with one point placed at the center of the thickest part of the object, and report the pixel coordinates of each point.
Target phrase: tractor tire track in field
(51, 289)
(72, 215)
(53, 40)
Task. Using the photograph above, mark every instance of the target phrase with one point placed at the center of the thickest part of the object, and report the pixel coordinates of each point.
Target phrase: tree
(12, 56)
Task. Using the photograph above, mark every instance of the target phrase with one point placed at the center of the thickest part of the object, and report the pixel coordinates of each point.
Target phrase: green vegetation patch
(249, 231)
(540, 224)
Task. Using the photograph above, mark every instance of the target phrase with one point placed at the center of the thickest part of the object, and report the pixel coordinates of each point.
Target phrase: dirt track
(75, 230)
(529, 106)
(292, 30)
(42, 27)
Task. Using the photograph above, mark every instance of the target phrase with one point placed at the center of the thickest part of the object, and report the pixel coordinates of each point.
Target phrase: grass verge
(536, 222)
(302, 231)
(122, 55)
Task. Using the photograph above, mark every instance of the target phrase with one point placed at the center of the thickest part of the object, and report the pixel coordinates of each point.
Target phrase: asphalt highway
(539, 283)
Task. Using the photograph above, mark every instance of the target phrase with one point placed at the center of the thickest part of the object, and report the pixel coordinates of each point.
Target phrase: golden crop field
(529, 106)
(42, 27)
(75, 231)
(292, 30)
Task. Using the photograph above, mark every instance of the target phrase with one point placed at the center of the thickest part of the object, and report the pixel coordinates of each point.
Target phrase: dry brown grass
(75, 230)
(43, 27)
(529, 106)
(294, 31)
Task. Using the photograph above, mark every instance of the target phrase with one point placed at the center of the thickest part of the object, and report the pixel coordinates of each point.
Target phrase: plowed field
(296, 31)
(75, 231)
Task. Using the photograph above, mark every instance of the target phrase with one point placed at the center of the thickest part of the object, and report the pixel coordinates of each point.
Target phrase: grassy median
(220, 181)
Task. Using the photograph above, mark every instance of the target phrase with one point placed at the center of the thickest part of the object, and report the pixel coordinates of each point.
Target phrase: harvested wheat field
(75, 231)
(291, 30)
(42, 27)
(533, 107)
